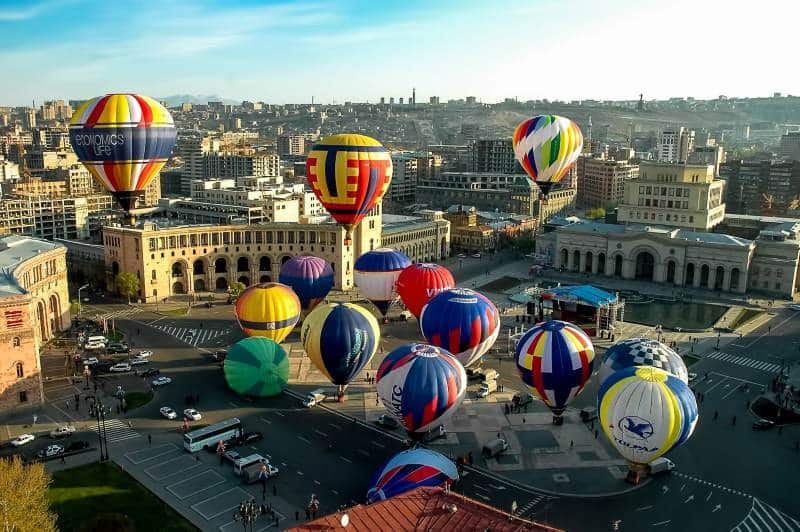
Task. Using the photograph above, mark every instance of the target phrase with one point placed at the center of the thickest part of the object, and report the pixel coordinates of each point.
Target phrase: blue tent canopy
(585, 294)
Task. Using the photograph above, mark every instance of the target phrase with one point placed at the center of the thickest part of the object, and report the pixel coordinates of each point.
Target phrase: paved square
(533, 439)
(195, 484)
(264, 523)
(137, 457)
(181, 464)
(219, 504)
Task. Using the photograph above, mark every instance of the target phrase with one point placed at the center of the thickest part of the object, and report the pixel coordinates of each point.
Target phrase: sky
(288, 52)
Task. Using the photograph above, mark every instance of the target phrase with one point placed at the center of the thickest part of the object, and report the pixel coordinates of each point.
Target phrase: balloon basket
(558, 420)
(634, 473)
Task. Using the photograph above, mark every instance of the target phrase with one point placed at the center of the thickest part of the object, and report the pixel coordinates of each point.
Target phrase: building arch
(576, 261)
(20, 367)
(177, 269)
(645, 266)
(671, 268)
(114, 268)
(264, 264)
(690, 274)
(245, 280)
(589, 262)
(601, 263)
(221, 265)
(41, 317)
(734, 279)
(199, 267)
(285, 258)
(719, 278)
(199, 284)
(618, 265)
(221, 284)
(177, 287)
(564, 258)
(704, 275)
(55, 311)
(265, 279)
(242, 264)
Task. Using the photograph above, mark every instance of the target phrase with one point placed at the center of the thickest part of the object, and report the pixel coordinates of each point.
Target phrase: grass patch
(114, 336)
(503, 283)
(80, 494)
(745, 315)
(182, 311)
(137, 399)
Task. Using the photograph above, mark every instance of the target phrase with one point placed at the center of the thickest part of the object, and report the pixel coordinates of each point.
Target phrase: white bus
(211, 435)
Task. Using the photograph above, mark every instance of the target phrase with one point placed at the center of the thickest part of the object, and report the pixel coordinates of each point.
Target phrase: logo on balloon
(636, 427)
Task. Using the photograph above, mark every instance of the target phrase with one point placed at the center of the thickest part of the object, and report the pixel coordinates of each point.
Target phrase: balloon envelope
(375, 274)
(311, 278)
(124, 141)
(642, 352)
(419, 283)
(547, 146)
(349, 174)
(462, 321)
(256, 367)
(340, 339)
(554, 359)
(645, 412)
(421, 385)
(270, 310)
(409, 470)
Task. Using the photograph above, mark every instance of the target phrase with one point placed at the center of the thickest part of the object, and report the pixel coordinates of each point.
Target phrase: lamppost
(247, 513)
(80, 304)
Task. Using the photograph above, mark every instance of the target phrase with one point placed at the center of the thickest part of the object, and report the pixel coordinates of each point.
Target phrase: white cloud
(29, 11)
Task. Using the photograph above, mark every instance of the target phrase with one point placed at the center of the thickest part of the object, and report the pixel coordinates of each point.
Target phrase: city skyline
(289, 52)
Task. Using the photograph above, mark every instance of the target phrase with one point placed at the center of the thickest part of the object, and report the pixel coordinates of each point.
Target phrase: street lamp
(80, 305)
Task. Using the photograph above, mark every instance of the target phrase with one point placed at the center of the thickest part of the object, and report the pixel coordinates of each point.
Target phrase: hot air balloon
(340, 339)
(409, 470)
(311, 278)
(462, 321)
(270, 310)
(642, 352)
(547, 146)
(554, 359)
(256, 367)
(376, 273)
(349, 174)
(421, 386)
(123, 140)
(419, 283)
(645, 412)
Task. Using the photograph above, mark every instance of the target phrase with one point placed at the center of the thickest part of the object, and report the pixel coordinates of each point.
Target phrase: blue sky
(282, 52)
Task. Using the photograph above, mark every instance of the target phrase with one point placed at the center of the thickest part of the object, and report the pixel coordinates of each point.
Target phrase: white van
(97, 340)
(241, 463)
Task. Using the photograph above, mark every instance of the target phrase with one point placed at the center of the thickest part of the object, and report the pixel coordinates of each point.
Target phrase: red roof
(424, 509)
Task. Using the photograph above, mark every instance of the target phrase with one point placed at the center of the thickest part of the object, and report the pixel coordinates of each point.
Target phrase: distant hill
(177, 99)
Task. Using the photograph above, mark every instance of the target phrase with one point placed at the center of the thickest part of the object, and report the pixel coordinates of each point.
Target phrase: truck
(240, 464)
(314, 398)
(487, 388)
(661, 465)
(490, 375)
(252, 473)
(494, 447)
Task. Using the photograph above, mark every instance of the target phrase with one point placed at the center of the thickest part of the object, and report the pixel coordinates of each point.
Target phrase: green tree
(237, 288)
(594, 214)
(128, 284)
(23, 497)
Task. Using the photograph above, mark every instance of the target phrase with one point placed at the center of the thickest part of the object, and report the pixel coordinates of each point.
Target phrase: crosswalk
(769, 367)
(195, 337)
(117, 430)
(123, 313)
(529, 509)
(764, 518)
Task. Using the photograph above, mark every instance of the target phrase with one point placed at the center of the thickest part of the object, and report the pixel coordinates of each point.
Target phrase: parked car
(461, 256)
(50, 451)
(152, 372)
(522, 399)
(161, 381)
(167, 412)
(90, 361)
(102, 366)
(763, 424)
(476, 255)
(144, 354)
(494, 447)
(387, 421)
(794, 306)
(136, 361)
(122, 366)
(692, 377)
(22, 439)
(231, 455)
(192, 414)
(94, 346)
(64, 430)
(250, 437)
(118, 347)
(77, 446)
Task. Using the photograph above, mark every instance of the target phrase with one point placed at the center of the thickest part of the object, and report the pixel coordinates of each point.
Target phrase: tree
(128, 284)
(237, 288)
(23, 497)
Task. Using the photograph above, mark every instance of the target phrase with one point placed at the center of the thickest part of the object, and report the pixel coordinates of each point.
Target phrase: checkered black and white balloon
(642, 352)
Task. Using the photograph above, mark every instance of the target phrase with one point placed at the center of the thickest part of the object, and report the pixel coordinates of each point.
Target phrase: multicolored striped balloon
(124, 141)
(641, 352)
(270, 310)
(645, 412)
(349, 174)
(547, 146)
(256, 367)
(409, 470)
(554, 359)
(462, 321)
(376, 272)
(421, 386)
(340, 339)
(311, 278)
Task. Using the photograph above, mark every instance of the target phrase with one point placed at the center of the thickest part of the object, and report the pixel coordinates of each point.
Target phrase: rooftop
(393, 223)
(668, 232)
(14, 250)
(424, 509)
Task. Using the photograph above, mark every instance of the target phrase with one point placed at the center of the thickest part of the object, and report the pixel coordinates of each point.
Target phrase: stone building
(34, 307)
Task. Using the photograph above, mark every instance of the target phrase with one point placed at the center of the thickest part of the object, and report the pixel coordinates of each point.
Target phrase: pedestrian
(274, 490)
(149, 439)
(63, 461)
(368, 378)
(377, 401)
(469, 455)
(308, 514)
(523, 419)
(733, 421)
(197, 458)
(276, 520)
(571, 444)
(526, 408)
(498, 435)
(67, 404)
(596, 432)
(297, 515)
(716, 415)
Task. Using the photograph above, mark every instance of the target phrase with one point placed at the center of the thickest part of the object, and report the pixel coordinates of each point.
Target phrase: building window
(777, 286)
(20, 370)
(23, 397)
(16, 342)
(691, 219)
(153, 275)
(778, 273)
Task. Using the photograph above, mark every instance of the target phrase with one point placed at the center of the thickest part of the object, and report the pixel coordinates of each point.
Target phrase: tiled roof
(424, 509)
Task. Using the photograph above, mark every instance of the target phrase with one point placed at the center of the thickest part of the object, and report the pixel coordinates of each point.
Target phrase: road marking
(304, 439)
(717, 384)
(661, 523)
(362, 451)
(747, 362)
(732, 391)
(682, 487)
(265, 420)
(334, 425)
(479, 487)
(497, 487)
(283, 464)
(484, 497)
(376, 444)
(280, 414)
(234, 405)
(690, 498)
(716, 508)
(335, 492)
(709, 495)
(300, 473)
(762, 516)
(346, 460)
(321, 433)
(642, 508)
(317, 482)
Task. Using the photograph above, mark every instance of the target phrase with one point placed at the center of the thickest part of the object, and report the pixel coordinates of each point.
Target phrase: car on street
(168, 413)
(122, 366)
(161, 381)
(136, 361)
(152, 372)
(387, 421)
(144, 354)
(90, 361)
(118, 347)
(192, 414)
(250, 437)
(232, 455)
(77, 446)
(794, 306)
(461, 256)
(50, 451)
(62, 431)
(102, 366)
(94, 346)
(763, 424)
(476, 255)
(22, 439)
(521, 399)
